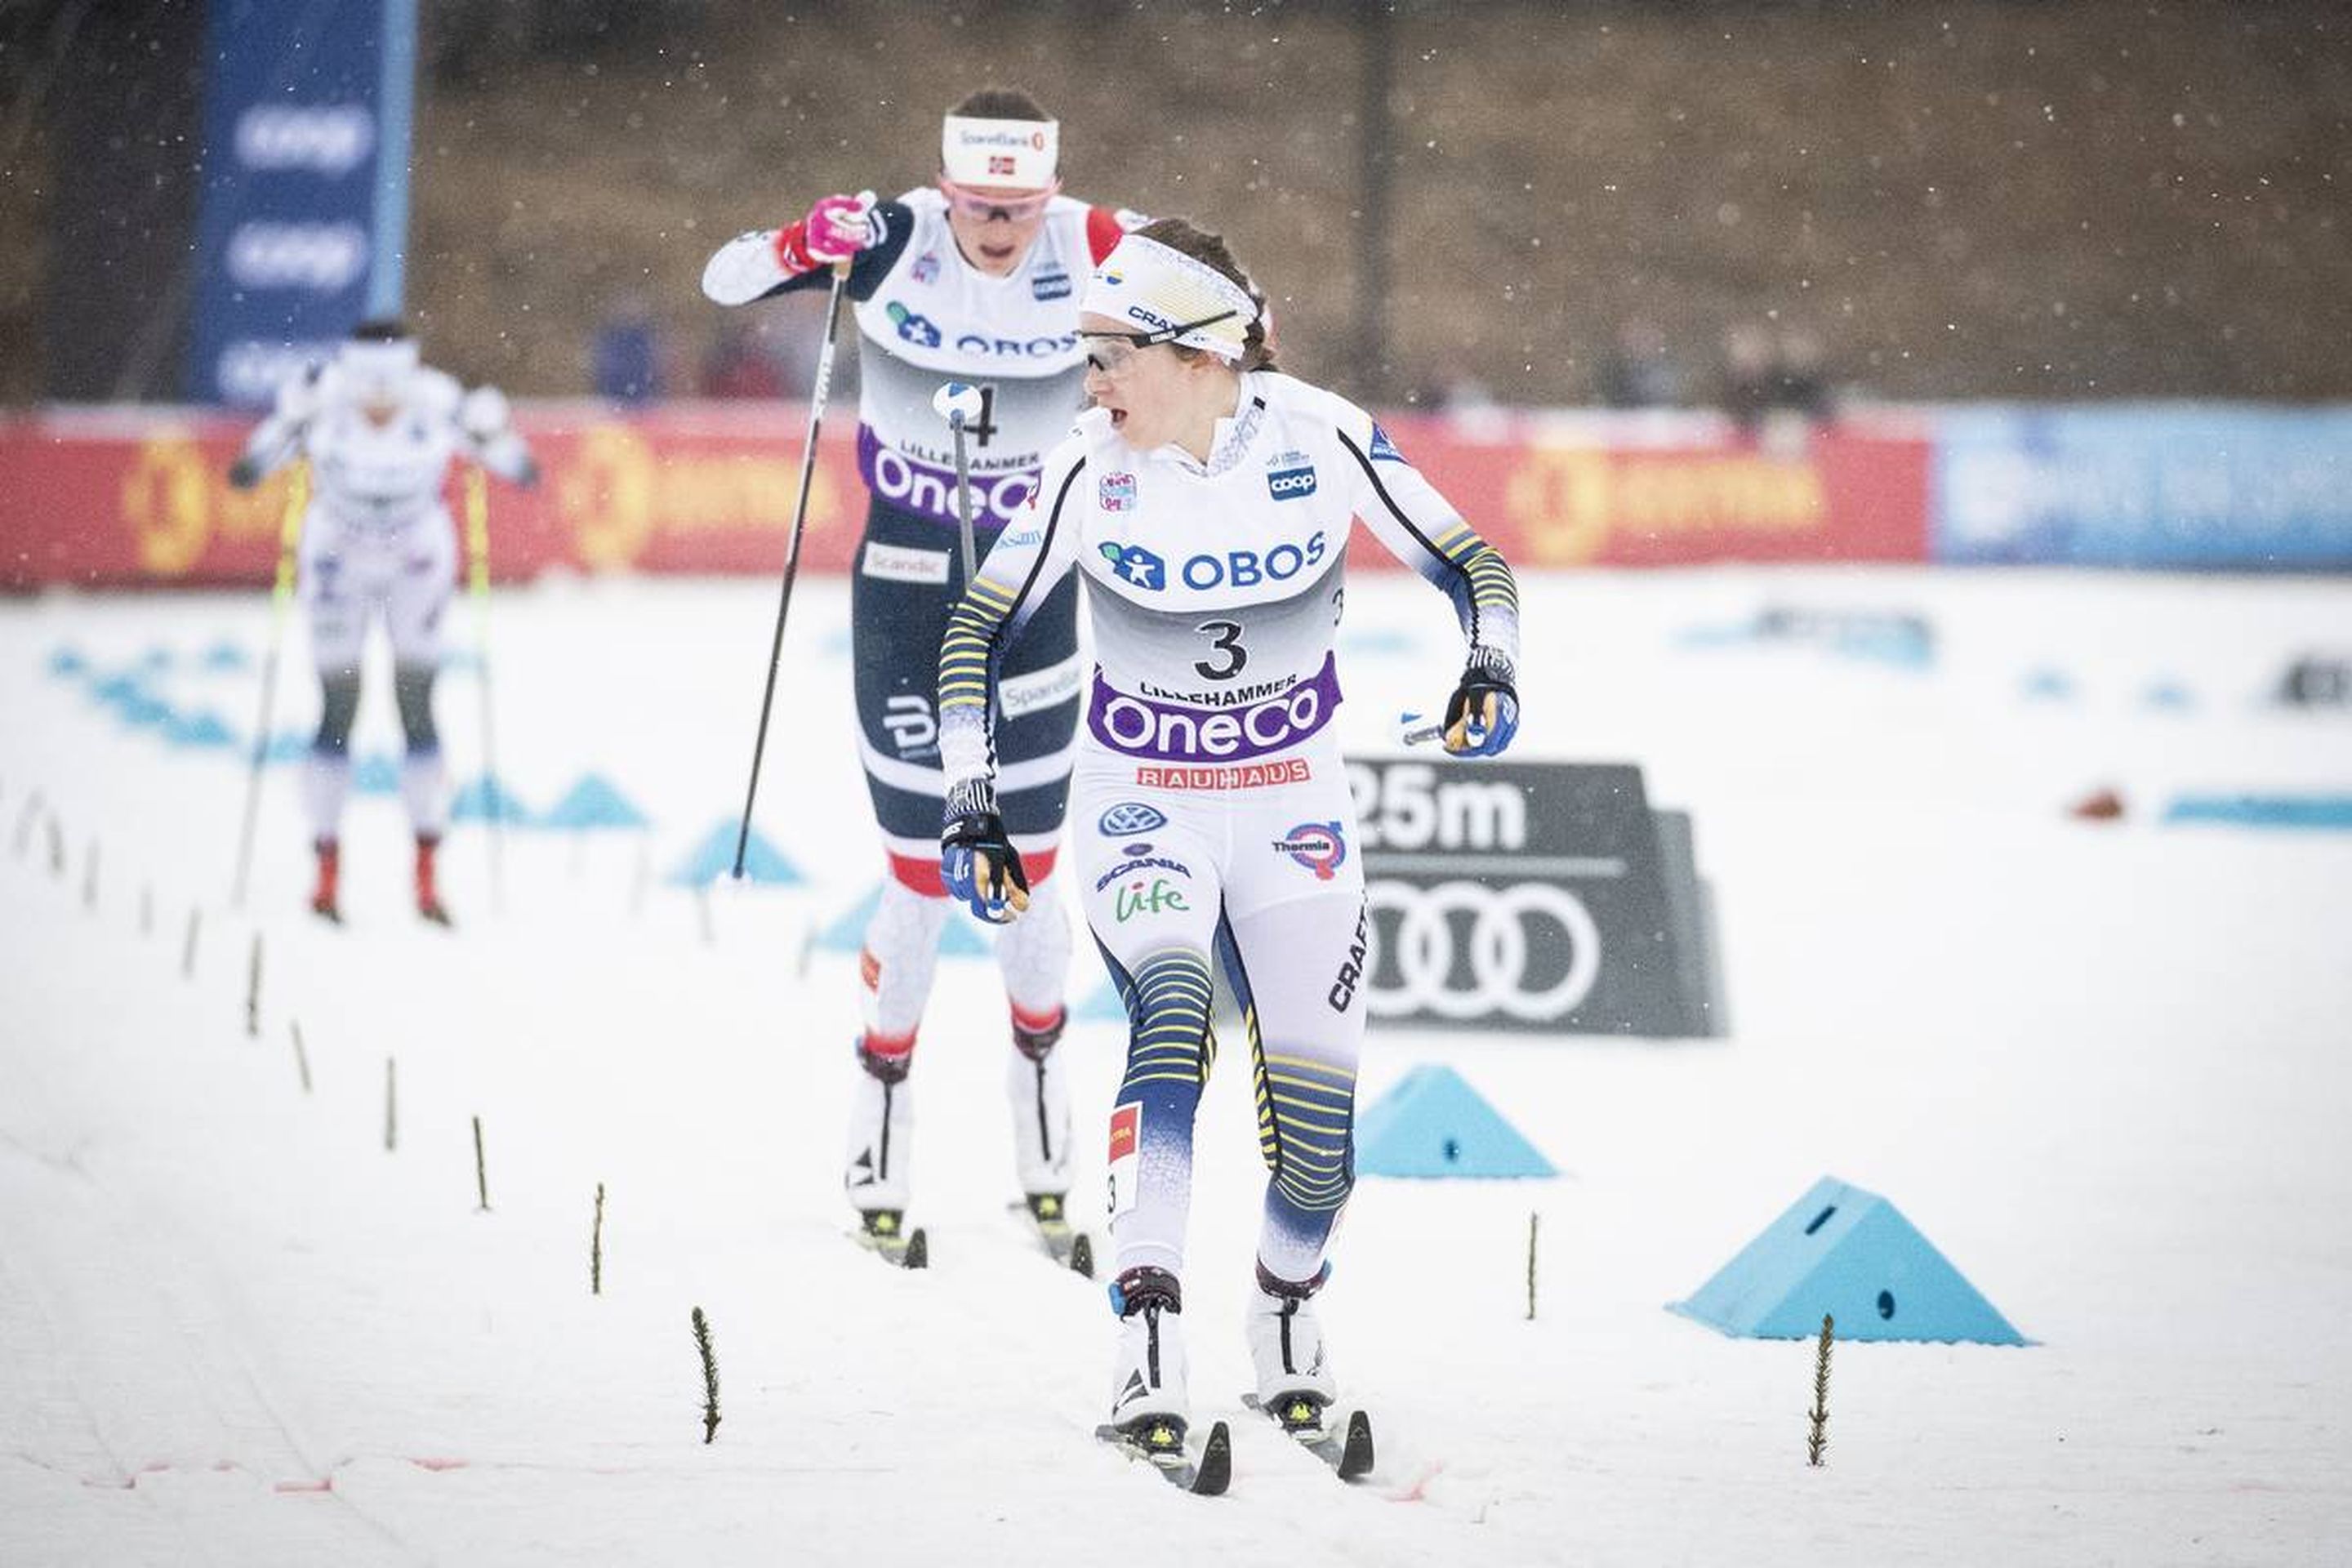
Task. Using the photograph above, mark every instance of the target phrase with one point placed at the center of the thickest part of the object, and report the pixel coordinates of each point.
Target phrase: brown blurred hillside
(1973, 199)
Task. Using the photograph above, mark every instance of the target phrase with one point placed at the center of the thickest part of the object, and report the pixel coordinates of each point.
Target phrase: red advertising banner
(139, 497)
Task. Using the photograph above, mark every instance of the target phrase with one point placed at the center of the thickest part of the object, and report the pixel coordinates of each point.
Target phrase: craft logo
(1318, 845)
(1159, 899)
(1342, 995)
(1383, 449)
(1137, 567)
(916, 330)
(1131, 819)
(1116, 492)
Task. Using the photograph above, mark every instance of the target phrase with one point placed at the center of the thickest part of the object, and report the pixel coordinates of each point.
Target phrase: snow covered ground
(2105, 1067)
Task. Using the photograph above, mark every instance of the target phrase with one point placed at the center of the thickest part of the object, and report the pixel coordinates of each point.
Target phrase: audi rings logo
(1463, 950)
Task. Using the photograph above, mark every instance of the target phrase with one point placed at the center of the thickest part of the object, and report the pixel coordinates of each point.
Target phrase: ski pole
(281, 594)
(957, 402)
(477, 576)
(792, 552)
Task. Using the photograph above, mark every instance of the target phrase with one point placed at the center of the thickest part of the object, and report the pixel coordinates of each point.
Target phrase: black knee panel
(338, 705)
(412, 687)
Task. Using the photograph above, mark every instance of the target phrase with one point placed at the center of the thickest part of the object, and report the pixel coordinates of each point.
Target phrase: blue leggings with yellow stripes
(1263, 888)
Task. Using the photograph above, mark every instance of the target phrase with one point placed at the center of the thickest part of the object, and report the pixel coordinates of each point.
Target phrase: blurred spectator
(629, 354)
(1749, 367)
(1775, 385)
(741, 364)
(1638, 372)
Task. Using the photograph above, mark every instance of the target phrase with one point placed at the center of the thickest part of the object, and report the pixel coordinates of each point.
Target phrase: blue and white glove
(977, 862)
(1482, 714)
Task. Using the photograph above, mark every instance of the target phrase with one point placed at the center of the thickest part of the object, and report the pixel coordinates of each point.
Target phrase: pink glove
(837, 229)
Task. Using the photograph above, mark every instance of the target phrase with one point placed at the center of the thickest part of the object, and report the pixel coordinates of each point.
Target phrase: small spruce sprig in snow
(710, 1376)
(1819, 1437)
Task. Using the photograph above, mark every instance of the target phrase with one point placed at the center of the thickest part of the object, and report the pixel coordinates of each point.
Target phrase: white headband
(378, 360)
(1156, 288)
(1018, 153)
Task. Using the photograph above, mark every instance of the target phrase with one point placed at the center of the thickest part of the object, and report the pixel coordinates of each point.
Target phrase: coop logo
(918, 330)
(1290, 484)
(1116, 492)
(326, 139)
(325, 257)
(1318, 845)
(1131, 819)
(1053, 285)
(1136, 566)
(250, 371)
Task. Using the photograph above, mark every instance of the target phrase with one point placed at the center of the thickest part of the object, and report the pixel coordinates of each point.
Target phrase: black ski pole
(793, 553)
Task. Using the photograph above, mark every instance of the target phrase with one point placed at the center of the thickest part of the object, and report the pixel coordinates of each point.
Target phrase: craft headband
(1018, 153)
(1157, 286)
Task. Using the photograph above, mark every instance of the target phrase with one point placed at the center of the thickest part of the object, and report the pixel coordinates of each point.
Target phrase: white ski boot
(1147, 1384)
(1293, 1372)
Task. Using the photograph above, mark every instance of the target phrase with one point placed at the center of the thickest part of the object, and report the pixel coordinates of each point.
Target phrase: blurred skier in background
(1206, 501)
(973, 279)
(379, 429)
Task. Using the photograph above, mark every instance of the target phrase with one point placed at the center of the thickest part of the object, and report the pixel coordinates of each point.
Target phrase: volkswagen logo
(1131, 819)
(1501, 926)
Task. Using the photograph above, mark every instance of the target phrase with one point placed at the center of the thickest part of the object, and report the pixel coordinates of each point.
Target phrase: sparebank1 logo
(1383, 449)
(1318, 845)
(1136, 565)
(1135, 900)
(915, 328)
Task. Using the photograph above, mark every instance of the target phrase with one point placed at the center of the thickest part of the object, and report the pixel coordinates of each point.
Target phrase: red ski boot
(428, 898)
(324, 896)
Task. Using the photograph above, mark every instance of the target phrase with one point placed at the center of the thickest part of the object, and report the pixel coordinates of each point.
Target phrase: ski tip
(1356, 1459)
(1081, 1256)
(919, 1249)
(1215, 1471)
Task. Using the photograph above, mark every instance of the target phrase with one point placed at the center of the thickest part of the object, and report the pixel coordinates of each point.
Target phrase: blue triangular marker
(224, 657)
(474, 801)
(846, 931)
(1432, 1123)
(289, 746)
(1849, 1254)
(376, 774)
(66, 662)
(199, 731)
(712, 859)
(2292, 811)
(2046, 684)
(594, 802)
(116, 689)
(139, 709)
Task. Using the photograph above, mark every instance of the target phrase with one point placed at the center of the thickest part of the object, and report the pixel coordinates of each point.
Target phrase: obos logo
(1248, 568)
(1318, 845)
(1137, 565)
(1131, 819)
(916, 330)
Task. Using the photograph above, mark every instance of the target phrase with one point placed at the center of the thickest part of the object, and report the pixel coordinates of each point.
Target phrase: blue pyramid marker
(376, 774)
(712, 859)
(1849, 1254)
(473, 804)
(198, 731)
(594, 802)
(66, 662)
(1432, 1123)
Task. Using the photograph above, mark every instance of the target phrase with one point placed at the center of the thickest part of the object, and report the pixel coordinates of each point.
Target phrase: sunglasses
(1016, 209)
(1107, 352)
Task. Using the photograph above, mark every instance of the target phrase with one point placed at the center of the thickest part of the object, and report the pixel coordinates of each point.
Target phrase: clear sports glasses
(1016, 209)
(1107, 352)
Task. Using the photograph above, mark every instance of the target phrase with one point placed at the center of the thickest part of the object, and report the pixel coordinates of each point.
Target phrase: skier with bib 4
(972, 279)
